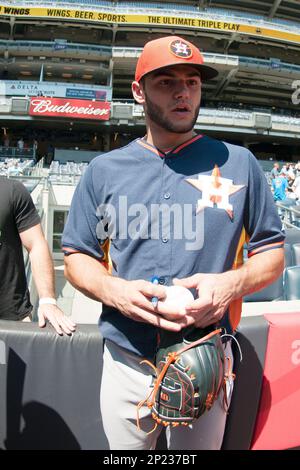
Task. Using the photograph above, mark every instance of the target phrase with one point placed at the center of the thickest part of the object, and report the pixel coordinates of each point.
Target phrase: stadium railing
(123, 51)
(226, 117)
(52, 45)
(268, 63)
(289, 213)
(15, 152)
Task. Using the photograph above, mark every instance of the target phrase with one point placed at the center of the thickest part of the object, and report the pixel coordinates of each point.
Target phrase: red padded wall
(278, 420)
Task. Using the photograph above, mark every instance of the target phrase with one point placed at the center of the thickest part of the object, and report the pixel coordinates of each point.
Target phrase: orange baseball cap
(171, 50)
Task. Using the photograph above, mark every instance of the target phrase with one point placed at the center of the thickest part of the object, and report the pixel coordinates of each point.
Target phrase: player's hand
(215, 292)
(60, 322)
(133, 299)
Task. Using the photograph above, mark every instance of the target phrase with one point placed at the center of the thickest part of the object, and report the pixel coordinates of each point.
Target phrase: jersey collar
(172, 151)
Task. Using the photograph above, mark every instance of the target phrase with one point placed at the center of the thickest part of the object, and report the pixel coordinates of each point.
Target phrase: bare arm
(41, 262)
(131, 298)
(217, 291)
(43, 274)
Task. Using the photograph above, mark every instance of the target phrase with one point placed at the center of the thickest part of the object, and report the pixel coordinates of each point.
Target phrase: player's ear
(138, 92)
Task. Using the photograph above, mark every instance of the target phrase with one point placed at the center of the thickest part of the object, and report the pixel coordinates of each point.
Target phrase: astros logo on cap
(181, 49)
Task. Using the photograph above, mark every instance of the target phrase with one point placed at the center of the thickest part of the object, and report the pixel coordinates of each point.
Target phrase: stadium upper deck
(288, 9)
(93, 45)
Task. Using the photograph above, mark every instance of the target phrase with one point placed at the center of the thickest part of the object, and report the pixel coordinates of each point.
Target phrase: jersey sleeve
(261, 220)
(25, 213)
(80, 232)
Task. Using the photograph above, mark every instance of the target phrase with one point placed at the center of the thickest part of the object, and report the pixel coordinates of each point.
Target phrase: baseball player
(180, 206)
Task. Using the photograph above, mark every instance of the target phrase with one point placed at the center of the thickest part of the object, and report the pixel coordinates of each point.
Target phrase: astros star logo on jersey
(215, 191)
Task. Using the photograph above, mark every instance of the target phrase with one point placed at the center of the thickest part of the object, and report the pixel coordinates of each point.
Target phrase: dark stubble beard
(155, 113)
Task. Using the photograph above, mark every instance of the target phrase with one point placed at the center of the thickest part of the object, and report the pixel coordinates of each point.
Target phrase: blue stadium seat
(292, 235)
(296, 254)
(289, 255)
(292, 283)
(273, 292)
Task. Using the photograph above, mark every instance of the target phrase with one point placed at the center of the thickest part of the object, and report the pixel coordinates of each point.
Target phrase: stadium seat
(292, 235)
(296, 254)
(291, 280)
(289, 255)
(273, 292)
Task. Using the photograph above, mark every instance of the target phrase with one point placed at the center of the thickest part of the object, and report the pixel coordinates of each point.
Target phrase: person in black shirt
(20, 226)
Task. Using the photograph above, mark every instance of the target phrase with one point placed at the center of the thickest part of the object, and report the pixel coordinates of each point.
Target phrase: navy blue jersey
(170, 215)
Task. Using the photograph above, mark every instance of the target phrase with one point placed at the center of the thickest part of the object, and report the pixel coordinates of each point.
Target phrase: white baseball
(177, 297)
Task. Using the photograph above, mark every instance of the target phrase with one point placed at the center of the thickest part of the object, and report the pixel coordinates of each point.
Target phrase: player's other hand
(215, 293)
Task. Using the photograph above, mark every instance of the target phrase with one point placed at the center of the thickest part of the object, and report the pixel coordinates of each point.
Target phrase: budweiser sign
(60, 107)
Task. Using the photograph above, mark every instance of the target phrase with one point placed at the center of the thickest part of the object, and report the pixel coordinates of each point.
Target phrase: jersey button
(165, 240)
(161, 280)
(167, 195)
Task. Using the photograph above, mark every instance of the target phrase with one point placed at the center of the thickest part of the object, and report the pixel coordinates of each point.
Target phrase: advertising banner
(178, 21)
(69, 108)
(87, 94)
(54, 89)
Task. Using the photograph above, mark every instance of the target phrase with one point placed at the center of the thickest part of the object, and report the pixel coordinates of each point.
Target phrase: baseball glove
(190, 373)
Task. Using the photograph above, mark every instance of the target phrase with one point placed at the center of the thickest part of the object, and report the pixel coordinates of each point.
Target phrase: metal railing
(289, 214)
(28, 45)
(16, 152)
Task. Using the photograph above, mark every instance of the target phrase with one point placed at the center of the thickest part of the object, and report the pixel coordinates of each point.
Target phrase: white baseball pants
(125, 383)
